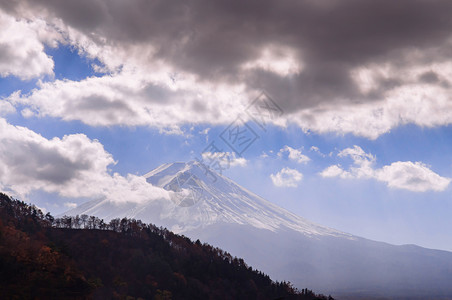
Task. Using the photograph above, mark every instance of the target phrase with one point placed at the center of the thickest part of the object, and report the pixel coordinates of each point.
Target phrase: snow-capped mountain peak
(203, 197)
(208, 206)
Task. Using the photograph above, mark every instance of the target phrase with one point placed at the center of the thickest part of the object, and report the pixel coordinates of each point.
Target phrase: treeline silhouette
(82, 257)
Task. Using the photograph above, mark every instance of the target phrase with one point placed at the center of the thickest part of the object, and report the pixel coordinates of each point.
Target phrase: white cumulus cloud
(73, 166)
(225, 159)
(286, 177)
(412, 176)
(6, 108)
(415, 176)
(22, 47)
(134, 99)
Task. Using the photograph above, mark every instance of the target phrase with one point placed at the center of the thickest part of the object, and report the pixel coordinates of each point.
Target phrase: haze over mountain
(338, 111)
(213, 208)
(202, 199)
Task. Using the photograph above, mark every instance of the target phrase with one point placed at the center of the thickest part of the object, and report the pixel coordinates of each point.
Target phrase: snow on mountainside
(214, 209)
(201, 198)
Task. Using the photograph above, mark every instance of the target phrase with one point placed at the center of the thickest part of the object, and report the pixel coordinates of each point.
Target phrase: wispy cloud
(70, 205)
(294, 154)
(229, 159)
(316, 149)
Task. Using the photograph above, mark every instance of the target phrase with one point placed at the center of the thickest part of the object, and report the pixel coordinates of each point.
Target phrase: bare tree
(84, 219)
(114, 224)
(76, 221)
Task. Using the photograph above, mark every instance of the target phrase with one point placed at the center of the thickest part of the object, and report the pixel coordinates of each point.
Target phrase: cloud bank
(329, 68)
(73, 166)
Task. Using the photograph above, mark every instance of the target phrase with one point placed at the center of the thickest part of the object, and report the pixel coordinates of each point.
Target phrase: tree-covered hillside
(85, 258)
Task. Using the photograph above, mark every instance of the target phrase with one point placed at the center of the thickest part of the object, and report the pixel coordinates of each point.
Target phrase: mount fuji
(208, 206)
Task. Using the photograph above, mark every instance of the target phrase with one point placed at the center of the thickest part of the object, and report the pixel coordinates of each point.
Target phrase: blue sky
(94, 103)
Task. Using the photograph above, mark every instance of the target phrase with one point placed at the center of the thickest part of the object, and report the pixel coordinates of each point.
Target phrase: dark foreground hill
(84, 258)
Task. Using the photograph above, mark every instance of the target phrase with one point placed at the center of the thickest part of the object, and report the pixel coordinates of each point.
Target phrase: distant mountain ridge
(213, 208)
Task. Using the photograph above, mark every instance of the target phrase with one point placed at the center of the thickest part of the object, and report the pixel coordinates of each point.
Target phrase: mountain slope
(46, 258)
(214, 209)
(200, 200)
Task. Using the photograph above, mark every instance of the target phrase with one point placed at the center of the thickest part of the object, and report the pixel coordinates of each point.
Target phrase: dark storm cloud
(46, 164)
(102, 104)
(429, 77)
(212, 39)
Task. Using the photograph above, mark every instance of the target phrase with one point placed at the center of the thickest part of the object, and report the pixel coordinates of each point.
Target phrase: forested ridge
(82, 257)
